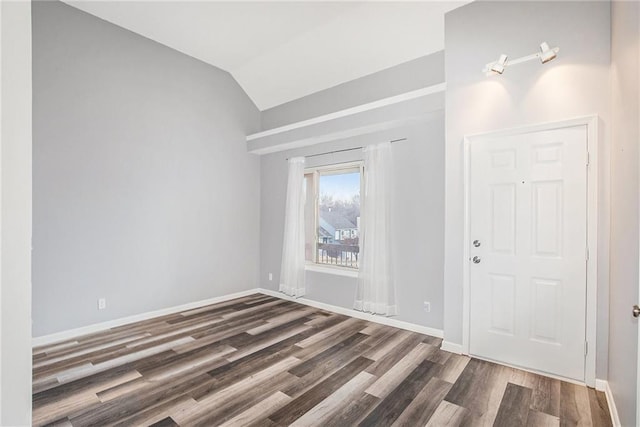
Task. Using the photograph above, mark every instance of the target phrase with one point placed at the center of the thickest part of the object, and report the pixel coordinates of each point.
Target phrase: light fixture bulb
(546, 53)
(498, 66)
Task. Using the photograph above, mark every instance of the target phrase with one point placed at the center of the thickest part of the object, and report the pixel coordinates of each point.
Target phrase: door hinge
(588, 158)
(586, 347)
(587, 255)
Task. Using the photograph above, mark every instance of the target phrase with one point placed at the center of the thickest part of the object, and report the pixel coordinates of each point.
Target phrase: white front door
(528, 249)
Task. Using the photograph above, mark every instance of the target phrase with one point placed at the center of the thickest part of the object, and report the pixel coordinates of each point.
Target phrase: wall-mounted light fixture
(498, 66)
(545, 55)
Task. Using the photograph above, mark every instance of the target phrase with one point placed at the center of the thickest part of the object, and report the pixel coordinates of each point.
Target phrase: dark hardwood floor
(262, 361)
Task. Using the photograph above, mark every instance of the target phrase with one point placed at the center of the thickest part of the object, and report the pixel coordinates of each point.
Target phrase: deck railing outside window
(340, 254)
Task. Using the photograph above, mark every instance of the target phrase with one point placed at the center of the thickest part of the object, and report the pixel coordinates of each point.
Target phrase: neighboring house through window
(332, 215)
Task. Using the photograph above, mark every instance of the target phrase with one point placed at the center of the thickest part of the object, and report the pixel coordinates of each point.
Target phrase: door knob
(476, 260)
(476, 243)
(636, 311)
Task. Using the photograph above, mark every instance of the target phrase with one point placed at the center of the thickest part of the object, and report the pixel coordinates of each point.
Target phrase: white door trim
(591, 122)
(637, 351)
(1, 287)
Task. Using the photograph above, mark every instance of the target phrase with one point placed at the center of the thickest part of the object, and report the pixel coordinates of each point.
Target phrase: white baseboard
(97, 327)
(602, 385)
(451, 347)
(358, 314)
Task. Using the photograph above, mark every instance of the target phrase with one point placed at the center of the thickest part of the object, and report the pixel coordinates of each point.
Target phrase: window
(332, 215)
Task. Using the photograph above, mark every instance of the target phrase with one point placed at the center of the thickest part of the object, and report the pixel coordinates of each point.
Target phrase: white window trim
(316, 170)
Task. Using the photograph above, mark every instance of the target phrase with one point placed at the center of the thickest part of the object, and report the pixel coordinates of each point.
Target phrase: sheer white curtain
(376, 290)
(292, 270)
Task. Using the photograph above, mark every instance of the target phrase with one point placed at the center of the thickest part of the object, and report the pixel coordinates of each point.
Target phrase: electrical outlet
(427, 306)
(102, 303)
(270, 277)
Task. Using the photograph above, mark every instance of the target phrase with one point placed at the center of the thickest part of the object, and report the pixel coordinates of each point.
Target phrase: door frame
(638, 350)
(591, 122)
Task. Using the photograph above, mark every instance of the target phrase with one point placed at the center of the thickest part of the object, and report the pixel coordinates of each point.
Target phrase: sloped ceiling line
(281, 51)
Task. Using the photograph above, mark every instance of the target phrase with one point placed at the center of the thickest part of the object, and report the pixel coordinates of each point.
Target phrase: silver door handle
(476, 243)
(476, 260)
(636, 311)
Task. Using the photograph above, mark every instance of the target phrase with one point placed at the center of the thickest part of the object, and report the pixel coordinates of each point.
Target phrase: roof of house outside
(336, 220)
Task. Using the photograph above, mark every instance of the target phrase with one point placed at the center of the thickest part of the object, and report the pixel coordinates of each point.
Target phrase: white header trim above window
(335, 167)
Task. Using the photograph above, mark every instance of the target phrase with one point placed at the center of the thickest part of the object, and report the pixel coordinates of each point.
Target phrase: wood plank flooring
(262, 361)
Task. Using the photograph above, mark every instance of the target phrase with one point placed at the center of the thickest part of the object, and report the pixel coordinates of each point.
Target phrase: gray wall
(623, 328)
(15, 214)
(418, 220)
(575, 84)
(419, 73)
(143, 191)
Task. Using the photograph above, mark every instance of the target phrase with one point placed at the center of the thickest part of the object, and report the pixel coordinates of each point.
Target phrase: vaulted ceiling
(280, 51)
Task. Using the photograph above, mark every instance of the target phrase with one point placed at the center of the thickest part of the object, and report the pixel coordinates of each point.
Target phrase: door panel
(528, 210)
(503, 216)
(547, 218)
(503, 309)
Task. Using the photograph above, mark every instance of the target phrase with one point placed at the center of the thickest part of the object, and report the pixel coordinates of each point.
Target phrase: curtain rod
(344, 150)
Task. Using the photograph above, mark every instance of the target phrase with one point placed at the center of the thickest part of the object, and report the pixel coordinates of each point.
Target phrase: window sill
(337, 271)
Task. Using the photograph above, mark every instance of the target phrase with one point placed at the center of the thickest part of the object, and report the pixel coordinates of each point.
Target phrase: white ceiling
(280, 51)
